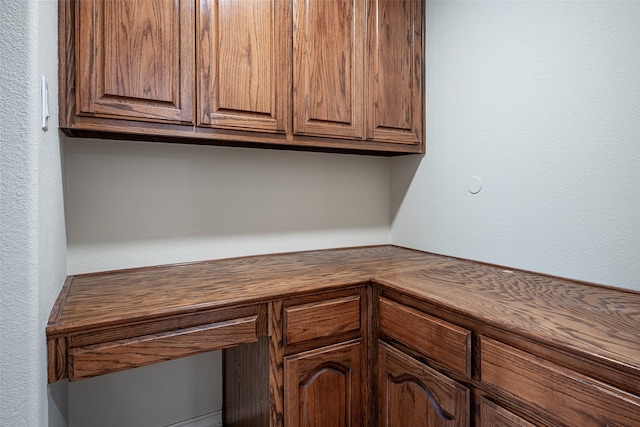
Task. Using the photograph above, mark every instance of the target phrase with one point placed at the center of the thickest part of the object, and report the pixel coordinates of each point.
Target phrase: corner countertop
(598, 322)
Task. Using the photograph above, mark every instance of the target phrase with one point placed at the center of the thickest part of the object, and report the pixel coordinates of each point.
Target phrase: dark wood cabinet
(492, 415)
(344, 75)
(358, 70)
(325, 365)
(135, 60)
(412, 394)
(366, 336)
(395, 64)
(558, 394)
(323, 387)
(243, 60)
(328, 79)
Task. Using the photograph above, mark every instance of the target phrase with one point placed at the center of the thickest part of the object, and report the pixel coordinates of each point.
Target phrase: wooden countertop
(598, 322)
(95, 300)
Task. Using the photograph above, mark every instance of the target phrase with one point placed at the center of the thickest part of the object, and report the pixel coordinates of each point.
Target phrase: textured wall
(32, 233)
(541, 100)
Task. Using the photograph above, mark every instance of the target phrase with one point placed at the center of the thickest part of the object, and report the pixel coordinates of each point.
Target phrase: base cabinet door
(411, 394)
(492, 415)
(323, 387)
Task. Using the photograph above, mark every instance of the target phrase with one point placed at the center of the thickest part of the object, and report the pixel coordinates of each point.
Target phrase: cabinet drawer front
(85, 362)
(322, 319)
(559, 393)
(441, 341)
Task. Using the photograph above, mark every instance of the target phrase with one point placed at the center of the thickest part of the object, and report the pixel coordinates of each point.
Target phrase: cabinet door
(395, 107)
(492, 415)
(135, 59)
(328, 44)
(323, 387)
(243, 61)
(412, 394)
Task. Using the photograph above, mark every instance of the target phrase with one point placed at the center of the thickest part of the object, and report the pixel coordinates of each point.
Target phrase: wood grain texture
(240, 119)
(276, 365)
(436, 339)
(561, 394)
(598, 324)
(328, 84)
(550, 328)
(492, 415)
(243, 63)
(316, 320)
(395, 58)
(170, 323)
(57, 359)
(246, 385)
(412, 394)
(85, 362)
(593, 322)
(122, 297)
(66, 63)
(136, 59)
(323, 387)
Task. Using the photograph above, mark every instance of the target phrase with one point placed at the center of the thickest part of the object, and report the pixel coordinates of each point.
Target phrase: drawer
(321, 319)
(557, 392)
(89, 361)
(443, 342)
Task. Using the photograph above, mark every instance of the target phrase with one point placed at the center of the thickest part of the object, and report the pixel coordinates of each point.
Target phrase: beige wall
(541, 101)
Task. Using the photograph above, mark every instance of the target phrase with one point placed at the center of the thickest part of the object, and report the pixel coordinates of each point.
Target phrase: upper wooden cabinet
(395, 60)
(243, 64)
(358, 70)
(343, 75)
(328, 79)
(135, 59)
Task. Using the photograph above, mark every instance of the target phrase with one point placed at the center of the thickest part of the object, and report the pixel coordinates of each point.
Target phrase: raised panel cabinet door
(395, 57)
(243, 64)
(411, 394)
(323, 387)
(492, 415)
(328, 46)
(136, 59)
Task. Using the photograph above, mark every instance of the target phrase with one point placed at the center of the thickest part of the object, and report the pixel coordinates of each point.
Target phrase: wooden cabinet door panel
(136, 59)
(414, 395)
(243, 63)
(323, 387)
(492, 415)
(395, 85)
(328, 86)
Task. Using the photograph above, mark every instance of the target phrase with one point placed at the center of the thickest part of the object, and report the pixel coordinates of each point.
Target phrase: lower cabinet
(323, 387)
(558, 395)
(411, 394)
(492, 415)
